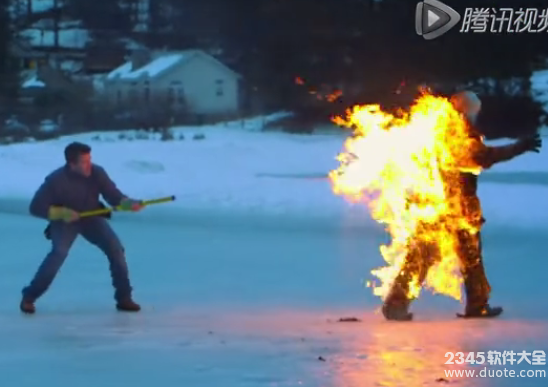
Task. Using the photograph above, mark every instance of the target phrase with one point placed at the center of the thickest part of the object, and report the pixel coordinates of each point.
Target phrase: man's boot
(27, 306)
(128, 306)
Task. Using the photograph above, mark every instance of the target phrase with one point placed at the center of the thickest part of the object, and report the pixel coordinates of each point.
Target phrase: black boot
(485, 311)
(128, 306)
(396, 313)
(396, 305)
(27, 306)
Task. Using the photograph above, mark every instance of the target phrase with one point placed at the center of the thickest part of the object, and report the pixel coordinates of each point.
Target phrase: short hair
(74, 150)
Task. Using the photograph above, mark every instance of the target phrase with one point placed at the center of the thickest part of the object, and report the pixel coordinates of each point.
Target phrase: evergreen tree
(9, 75)
(101, 17)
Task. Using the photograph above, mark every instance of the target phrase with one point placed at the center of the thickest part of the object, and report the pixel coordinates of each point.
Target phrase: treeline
(295, 53)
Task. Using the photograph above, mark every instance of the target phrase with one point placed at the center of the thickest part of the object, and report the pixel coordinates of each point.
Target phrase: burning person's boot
(477, 292)
(396, 305)
(484, 311)
(394, 312)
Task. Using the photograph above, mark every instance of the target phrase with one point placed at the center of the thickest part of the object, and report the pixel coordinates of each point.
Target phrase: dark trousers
(98, 232)
(422, 256)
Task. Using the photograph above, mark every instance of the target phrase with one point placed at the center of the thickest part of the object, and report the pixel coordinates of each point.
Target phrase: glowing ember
(407, 168)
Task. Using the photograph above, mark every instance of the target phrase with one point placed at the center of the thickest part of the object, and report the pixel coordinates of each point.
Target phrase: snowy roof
(152, 69)
(33, 82)
(159, 64)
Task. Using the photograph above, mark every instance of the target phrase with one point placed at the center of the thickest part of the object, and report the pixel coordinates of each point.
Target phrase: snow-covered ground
(230, 303)
(241, 169)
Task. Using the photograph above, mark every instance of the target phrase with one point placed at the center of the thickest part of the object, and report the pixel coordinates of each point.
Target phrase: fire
(406, 168)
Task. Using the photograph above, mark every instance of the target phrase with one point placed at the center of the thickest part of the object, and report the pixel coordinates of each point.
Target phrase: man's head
(468, 104)
(78, 158)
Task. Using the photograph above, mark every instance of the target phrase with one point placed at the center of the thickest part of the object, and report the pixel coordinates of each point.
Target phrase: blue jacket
(66, 188)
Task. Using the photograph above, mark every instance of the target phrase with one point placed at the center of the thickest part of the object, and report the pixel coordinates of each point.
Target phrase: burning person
(433, 156)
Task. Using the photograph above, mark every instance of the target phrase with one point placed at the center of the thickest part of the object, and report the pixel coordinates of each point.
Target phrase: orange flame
(407, 169)
(329, 97)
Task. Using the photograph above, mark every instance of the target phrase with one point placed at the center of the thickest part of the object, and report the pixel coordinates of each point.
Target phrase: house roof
(33, 82)
(158, 65)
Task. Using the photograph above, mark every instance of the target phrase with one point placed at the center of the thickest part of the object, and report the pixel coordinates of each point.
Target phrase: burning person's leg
(475, 281)
(420, 258)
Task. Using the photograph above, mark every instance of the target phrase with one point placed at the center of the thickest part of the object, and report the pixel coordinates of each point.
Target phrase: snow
(539, 82)
(33, 82)
(242, 170)
(152, 69)
(244, 277)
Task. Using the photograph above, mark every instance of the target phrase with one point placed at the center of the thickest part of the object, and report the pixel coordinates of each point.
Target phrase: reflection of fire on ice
(405, 168)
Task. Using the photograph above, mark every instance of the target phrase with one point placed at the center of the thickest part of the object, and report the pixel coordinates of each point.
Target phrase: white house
(189, 80)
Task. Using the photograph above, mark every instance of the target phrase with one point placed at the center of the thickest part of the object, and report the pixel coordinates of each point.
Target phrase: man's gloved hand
(531, 143)
(131, 205)
(63, 213)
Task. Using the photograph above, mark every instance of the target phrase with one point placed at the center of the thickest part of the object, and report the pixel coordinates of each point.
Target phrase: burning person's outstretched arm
(468, 103)
(486, 156)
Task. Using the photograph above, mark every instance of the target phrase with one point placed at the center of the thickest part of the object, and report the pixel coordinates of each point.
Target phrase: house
(51, 83)
(189, 81)
(25, 55)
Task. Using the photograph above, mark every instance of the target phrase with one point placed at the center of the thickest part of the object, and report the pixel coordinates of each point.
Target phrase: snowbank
(239, 169)
(230, 169)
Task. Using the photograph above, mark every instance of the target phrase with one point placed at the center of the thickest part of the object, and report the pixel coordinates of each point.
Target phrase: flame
(328, 96)
(407, 168)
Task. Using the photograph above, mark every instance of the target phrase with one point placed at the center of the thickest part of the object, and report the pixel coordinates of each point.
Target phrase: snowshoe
(482, 312)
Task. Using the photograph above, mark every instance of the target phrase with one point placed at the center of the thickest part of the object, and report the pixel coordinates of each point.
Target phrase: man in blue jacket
(66, 192)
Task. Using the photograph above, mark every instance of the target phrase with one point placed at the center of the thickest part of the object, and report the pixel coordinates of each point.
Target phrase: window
(119, 97)
(146, 92)
(176, 93)
(133, 96)
(219, 87)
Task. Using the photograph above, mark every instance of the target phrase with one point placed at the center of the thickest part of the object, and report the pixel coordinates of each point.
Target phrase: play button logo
(433, 19)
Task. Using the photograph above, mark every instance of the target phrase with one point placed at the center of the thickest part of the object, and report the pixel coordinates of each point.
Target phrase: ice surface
(244, 277)
(250, 307)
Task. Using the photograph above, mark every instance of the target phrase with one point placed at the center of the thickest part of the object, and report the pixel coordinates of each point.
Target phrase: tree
(9, 75)
(108, 17)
